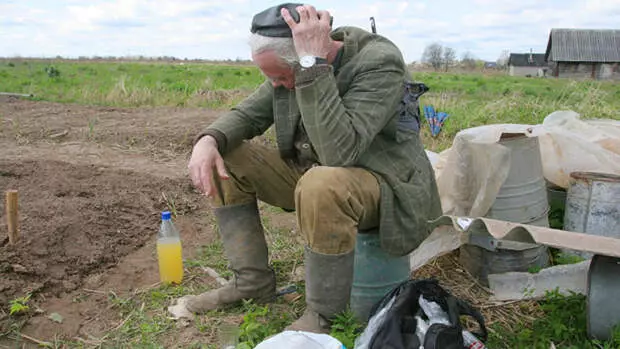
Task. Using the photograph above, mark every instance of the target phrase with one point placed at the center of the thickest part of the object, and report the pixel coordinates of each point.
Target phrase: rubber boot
(328, 288)
(245, 247)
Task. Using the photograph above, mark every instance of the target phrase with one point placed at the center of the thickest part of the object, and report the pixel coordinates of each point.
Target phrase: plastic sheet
(375, 322)
(470, 173)
(300, 340)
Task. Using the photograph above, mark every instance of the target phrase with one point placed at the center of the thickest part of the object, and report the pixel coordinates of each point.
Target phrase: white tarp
(471, 172)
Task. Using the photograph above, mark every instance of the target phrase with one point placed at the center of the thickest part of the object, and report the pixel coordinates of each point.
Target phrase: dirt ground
(92, 182)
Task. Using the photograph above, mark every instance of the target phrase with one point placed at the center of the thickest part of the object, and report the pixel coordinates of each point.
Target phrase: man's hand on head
(311, 34)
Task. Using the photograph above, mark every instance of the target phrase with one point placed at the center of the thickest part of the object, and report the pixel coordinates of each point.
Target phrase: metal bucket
(522, 198)
(592, 206)
(480, 262)
(375, 274)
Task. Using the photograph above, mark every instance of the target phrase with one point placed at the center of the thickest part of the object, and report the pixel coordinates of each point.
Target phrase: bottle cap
(165, 215)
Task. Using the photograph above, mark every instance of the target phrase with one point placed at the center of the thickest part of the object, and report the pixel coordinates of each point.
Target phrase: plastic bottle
(471, 342)
(169, 251)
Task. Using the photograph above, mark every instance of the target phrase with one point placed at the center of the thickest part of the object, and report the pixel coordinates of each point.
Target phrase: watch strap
(307, 75)
(320, 60)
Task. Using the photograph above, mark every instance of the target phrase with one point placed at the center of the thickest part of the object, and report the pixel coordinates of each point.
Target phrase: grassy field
(129, 84)
(470, 99)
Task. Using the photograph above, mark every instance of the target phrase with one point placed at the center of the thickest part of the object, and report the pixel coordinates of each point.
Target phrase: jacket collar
(350, 47)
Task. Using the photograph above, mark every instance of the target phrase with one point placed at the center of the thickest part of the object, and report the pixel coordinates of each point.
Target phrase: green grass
(129, 84)
(470, 99)
(563, 324)
(474, 100)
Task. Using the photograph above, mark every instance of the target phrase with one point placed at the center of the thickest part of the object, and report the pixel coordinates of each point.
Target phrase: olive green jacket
(353, 114)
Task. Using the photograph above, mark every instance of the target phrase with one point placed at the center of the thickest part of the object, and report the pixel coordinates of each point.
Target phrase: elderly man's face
(278, 72)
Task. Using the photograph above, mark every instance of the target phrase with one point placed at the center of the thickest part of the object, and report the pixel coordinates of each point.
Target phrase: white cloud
(212, 29)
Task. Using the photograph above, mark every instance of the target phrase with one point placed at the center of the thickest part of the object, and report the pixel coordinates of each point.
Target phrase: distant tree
(433, 55)
(502, 61)
(468, 60)
(449, 57)
(480, 63)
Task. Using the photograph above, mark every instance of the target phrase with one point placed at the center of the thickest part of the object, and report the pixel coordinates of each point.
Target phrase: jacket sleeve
(250, 118)
(342, 128)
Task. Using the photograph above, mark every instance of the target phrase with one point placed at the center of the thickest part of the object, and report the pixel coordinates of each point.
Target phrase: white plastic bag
(363, 340)
(300, 340)
(568, 144)
(432, 157)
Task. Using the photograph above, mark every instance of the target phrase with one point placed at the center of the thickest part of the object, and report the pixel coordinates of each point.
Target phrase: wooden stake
(12, 216)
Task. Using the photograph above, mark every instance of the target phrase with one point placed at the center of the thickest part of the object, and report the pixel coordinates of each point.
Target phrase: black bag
(410, 113)
(398, 329)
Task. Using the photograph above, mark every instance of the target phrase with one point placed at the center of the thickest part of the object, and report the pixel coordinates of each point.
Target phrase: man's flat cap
(271, 23)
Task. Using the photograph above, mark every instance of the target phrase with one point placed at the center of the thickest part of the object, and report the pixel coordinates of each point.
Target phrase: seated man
(348, 158)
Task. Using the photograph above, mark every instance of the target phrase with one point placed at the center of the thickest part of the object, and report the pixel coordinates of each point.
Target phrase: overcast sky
(218, 30)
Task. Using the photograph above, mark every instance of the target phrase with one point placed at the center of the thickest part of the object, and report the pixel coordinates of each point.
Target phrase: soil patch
(79, 220)
(159, 132)
(92, 182)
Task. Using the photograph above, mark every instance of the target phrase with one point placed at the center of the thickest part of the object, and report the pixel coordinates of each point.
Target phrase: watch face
(307, 61)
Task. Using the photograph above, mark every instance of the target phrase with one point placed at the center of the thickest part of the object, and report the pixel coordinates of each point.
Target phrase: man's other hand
(205, 157)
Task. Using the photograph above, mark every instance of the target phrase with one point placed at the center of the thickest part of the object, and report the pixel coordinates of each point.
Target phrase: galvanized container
(480, 262)
(592, 206)
(522, 198)
(375, 274)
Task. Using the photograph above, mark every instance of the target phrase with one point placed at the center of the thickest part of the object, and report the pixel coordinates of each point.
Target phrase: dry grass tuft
(217, 98)
(453, 277)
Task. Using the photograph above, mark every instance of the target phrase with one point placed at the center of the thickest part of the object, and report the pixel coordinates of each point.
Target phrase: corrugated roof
(527, 60)
(583, 45)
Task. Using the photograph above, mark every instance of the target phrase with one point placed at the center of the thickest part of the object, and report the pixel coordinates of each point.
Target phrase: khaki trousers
(331, 203)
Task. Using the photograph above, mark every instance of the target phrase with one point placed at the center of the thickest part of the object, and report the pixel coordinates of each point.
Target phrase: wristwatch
(309, 68)
(310, 61)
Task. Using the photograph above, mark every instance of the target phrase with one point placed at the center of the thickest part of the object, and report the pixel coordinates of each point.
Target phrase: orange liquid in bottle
(170, 257)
